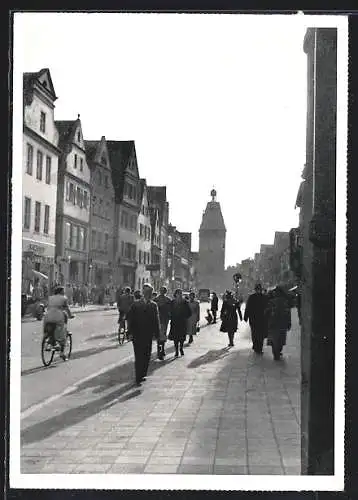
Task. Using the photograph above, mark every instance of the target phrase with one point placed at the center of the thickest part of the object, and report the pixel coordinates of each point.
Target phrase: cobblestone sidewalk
(216, 410)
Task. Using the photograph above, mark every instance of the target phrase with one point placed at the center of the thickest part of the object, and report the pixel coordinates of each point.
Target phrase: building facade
(127, 189)
(158, 202)
(212, 235)
(314, 254)
(101, 242)
(178, 259)
(73, 204)
(144, 238)
(156, 250)
(39, 179)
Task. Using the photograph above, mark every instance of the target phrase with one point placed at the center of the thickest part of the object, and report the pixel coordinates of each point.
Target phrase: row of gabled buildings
(88, 217)
(270, 266)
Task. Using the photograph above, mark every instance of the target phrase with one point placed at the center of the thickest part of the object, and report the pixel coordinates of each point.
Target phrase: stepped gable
(213, 219)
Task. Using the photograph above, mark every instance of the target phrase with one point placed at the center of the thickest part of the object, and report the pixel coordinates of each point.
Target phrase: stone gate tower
(212, 235)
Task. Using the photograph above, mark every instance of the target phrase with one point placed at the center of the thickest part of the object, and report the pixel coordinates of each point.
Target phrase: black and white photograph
(178, 268)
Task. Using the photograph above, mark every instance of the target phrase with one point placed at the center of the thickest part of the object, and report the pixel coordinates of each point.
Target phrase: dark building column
(318, 265)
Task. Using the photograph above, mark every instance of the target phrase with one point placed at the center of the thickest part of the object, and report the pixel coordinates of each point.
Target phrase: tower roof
(213, 219)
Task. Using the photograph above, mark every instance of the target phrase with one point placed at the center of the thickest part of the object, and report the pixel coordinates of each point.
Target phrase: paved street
(216, 410)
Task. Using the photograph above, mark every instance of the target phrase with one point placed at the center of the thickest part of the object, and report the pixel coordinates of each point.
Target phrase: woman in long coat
(278, 315)
(195, 316)
(180, 312)
(228, 315)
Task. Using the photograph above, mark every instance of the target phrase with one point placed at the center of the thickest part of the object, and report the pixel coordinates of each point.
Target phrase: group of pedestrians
(268, 314)
(77, 294)
(151, 317)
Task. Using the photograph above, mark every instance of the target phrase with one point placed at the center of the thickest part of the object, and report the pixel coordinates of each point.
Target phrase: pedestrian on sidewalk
(164, 304)
(278, 314)
(193, 321)
(137, 295)
(143, 326)
(125, 301)
(255, 314)
(214, 306)
(228, 316)
(180, 312)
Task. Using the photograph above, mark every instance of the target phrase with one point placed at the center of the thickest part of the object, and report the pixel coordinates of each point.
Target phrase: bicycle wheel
(68, 346)
(47, 351)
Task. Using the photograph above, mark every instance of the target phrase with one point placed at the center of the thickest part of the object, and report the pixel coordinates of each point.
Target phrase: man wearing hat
(255, 314)
(143, 327)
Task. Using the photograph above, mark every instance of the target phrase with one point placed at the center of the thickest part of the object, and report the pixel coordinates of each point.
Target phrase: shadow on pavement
(209, 357)
(110, 336)
(36, 369)
(90, 352)
(75, 355)
(111, 378)
(68, 418)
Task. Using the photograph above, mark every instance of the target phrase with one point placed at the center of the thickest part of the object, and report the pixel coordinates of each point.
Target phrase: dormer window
(43, 122)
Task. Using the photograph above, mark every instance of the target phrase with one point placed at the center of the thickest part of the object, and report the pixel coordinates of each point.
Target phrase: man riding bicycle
(55, 319)
(124, 303)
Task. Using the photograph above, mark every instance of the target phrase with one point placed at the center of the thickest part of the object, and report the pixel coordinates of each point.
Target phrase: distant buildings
(101, 250)
(73, 204)
(144, 239)
(127, 187)
(88, 217)
(39, 181)
(212, 235)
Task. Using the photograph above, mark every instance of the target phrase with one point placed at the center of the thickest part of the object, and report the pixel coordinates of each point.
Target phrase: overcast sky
(210, 100)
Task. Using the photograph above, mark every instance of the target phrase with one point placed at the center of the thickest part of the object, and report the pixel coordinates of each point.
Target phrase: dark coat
(165, 306)
(255, 310)
(214, 304)
(143, 321)
(180, 313)
(228, 315)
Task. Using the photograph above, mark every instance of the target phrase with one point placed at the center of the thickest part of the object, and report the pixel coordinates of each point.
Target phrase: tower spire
(213, 194)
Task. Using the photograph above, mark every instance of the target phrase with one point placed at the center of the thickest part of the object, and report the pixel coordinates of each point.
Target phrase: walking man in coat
(193, 321)
(143, 325)
(214, 306)
(255, 314)
(279, 321)
(164, 305)
(180, 313)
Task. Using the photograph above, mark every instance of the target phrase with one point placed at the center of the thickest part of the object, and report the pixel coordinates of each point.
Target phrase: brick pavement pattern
(215, 410)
